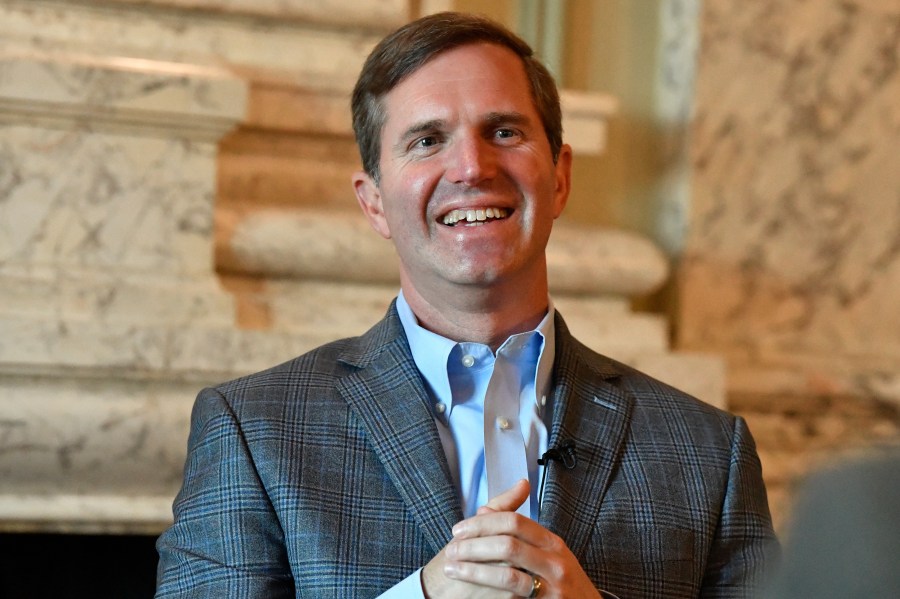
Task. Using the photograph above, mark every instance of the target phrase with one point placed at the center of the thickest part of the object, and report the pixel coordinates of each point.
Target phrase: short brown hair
(403, 52)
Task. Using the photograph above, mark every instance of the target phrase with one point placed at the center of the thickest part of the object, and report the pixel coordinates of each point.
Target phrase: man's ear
(563, 179)
(369, 197)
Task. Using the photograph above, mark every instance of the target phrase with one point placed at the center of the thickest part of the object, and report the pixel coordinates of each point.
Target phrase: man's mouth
(474, 217)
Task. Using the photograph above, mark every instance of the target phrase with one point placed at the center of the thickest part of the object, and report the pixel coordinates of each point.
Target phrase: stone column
(109, 303)
(792, 269)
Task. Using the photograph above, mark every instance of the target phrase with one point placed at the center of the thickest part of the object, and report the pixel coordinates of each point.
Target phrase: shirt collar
(431, 351)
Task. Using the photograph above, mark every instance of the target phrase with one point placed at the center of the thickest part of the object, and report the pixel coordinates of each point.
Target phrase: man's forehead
(505, 93)
(475, 51)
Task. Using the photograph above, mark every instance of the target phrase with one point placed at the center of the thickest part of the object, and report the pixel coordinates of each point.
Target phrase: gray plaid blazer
(325, 477)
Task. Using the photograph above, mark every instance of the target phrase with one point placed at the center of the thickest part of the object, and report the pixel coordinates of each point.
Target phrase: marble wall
(792, 269)
(111, 313)
(143, 255)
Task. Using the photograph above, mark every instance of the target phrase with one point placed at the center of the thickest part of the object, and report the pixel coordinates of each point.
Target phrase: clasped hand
(496, 553)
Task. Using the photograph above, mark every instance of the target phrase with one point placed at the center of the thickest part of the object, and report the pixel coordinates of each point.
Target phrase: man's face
(468, 189)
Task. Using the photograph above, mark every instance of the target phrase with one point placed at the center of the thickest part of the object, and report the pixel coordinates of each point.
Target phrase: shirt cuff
(408, 588)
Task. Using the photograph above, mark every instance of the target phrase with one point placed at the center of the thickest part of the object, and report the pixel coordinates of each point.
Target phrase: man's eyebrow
(417, 129)
(506, 118)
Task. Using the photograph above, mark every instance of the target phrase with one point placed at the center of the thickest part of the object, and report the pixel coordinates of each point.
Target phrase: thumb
(509, 500)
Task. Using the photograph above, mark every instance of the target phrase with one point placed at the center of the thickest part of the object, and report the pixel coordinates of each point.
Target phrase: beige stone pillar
(792, 270)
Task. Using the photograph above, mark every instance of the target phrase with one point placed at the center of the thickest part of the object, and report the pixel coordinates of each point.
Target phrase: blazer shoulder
(650, 390)
(323, 361)
(648, 393)
(317, 370)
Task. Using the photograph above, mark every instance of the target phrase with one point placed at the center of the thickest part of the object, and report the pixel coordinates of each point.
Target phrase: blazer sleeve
(744, 546)
(226, 540)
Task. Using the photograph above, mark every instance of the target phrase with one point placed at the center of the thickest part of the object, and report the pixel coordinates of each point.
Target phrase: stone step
(302, 52)
(305, 171)
(110, 296)
(368, 14)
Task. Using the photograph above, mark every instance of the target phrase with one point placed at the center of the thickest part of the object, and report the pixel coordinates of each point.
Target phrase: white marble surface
(91, 454)
(100, 200)
(60, 347)
(77, 192)
(316, 57)
(113, 295)
(88, 435)
(106, 197)
(188, 100)
(367, 13)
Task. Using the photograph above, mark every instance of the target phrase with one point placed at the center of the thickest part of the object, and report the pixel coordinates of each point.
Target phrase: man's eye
(426, 142)
(505, 133)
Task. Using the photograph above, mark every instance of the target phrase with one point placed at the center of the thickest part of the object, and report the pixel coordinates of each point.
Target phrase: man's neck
(480, 316)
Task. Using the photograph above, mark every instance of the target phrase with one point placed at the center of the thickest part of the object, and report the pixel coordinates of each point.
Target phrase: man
(389, 463)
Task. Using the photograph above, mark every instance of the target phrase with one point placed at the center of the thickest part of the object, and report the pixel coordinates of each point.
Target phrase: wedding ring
(536, 585)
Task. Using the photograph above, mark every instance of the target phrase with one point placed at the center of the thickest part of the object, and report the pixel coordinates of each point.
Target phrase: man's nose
(472, 160)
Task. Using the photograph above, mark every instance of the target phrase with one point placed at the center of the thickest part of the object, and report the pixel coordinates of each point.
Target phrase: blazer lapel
(590, 410)
(389, 398)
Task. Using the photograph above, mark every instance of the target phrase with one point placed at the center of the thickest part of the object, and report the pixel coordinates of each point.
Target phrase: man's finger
(509, 500)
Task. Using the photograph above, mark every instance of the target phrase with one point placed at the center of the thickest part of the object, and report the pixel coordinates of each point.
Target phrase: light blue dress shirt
(456, 378)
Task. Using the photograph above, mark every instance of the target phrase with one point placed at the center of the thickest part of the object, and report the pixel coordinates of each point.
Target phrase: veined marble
(107, 176)
(365, 13)
(86, 91)
(316, 57)
(90, 455)
(794, 257)
(100, 200)
(100, 166)
(113, 295)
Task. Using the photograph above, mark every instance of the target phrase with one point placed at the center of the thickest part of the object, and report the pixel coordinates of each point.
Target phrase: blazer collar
(387, 395)
(591, 410)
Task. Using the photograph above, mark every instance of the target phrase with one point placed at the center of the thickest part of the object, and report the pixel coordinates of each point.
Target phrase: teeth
(474, 215)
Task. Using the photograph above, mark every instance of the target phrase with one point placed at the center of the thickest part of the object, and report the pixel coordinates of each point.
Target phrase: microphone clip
(564, 453)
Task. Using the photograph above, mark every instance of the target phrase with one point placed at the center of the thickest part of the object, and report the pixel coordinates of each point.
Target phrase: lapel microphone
(564, 453)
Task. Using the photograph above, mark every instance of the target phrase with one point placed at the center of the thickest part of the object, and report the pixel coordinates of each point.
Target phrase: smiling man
(467, 445)
(467, 187)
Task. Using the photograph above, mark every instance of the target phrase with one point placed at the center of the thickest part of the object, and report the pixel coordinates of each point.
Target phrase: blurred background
(175, 210)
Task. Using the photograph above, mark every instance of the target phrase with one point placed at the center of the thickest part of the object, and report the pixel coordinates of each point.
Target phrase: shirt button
(441, 407)
(468, 361)
(503, 424)
(543, 400)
